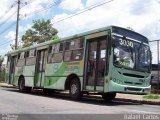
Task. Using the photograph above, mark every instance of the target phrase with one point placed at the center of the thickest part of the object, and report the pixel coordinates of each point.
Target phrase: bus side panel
(18, 72)
(54, 73)
(77, 68)
(29, 72)
(57, 73)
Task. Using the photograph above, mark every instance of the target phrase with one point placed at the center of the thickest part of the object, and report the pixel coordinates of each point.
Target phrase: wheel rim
(74, 89)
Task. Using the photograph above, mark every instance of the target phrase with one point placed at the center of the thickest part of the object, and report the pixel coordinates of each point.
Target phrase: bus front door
(95, 64)
(40, 67)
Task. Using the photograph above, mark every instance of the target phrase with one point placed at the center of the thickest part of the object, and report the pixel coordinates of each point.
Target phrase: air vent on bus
(128, 82)
(133, 75)
(138, 83)
(133, 83)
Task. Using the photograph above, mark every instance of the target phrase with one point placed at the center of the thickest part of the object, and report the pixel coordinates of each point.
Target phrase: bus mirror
(116, 52)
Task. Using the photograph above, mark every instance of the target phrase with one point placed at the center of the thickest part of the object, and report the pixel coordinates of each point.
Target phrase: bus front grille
(133, 83)
(133, 75)
(132, 89)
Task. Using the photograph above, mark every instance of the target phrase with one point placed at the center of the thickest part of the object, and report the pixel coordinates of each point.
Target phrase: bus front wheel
(108, 96)
(75, 89)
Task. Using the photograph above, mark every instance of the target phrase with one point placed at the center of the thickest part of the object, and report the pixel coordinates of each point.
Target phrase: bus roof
(47, 43)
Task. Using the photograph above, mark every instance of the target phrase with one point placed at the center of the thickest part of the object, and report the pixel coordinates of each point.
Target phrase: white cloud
(7, 13)
(11, 35)
(124, 14)
(71, 4)
(22, 29)
(26, 11)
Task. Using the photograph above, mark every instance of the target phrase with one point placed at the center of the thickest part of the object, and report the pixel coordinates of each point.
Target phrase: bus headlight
(147, 90)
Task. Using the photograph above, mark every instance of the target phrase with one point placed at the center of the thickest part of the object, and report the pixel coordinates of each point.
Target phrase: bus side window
(74, 50)
(67, 56)
(68, 52)
(31, 57)
(55, 53)
(21, 59)
(49, 59)
(27, 54)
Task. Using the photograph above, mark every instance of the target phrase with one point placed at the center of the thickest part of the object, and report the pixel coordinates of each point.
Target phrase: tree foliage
(41, 31)
(2, 69)
(1, 61)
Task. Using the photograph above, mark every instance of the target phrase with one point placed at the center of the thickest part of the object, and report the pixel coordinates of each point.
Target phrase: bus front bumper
(115, 87)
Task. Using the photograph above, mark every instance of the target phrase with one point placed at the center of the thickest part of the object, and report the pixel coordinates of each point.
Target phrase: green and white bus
(104, 61)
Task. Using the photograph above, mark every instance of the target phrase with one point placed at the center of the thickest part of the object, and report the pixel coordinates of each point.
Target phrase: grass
(151, 96)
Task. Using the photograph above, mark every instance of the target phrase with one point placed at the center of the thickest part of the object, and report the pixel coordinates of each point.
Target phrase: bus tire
(75, 89)
(22, 87)
(108, 96)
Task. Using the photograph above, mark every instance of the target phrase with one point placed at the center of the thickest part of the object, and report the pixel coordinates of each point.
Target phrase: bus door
(12, 66)
(95, 67)
(40, 67)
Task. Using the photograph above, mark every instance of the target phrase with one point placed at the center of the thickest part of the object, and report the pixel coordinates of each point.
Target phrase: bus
(103, 61)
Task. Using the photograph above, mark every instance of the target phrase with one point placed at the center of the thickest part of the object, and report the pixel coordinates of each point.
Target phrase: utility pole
(17, 25)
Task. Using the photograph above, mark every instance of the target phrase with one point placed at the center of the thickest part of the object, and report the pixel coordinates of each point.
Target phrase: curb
(7, 86)
(139, 101)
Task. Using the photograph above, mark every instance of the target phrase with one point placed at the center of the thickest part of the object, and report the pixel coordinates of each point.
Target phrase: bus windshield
(131, 54)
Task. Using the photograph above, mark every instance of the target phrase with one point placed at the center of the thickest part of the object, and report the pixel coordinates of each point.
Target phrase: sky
(141, 15)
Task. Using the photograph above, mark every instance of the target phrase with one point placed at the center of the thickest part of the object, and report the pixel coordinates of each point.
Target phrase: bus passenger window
(31, 57)
(77, 54)
(27, 54)
(55, 53)
(67, 46)
(67, 56)
(31, 53)
(61, 47)
(49, 58)
(21, 59)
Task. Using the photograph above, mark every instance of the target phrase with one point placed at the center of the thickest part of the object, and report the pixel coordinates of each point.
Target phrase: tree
(41, 31)
(2, 71)
(13, 46)
(1, 61)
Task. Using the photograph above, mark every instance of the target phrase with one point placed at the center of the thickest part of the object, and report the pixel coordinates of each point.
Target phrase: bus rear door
(40, 67)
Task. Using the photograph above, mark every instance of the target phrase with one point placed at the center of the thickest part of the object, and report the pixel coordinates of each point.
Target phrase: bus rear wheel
(108, 96)
(22, 87)
(75, 89)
